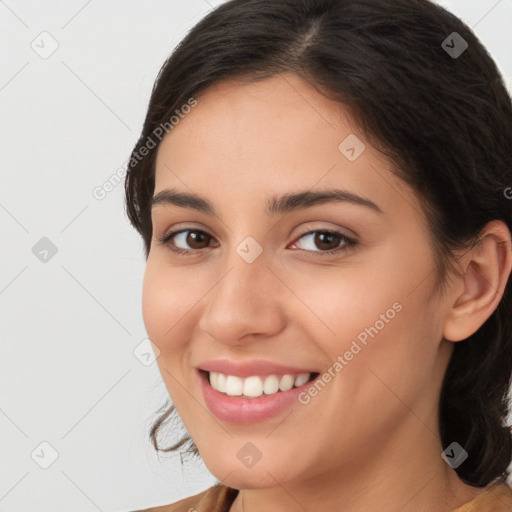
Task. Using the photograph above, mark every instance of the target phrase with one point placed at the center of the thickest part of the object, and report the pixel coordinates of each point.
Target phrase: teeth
(221, 382)
(271, 385)
(255, 386)
(214, 380)
(234, 385)
(286, 382)
(301, 379)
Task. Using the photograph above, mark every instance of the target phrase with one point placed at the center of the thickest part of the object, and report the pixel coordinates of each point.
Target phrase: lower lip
(235, 409)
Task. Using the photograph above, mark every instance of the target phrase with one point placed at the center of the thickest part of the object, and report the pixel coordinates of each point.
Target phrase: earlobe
(485, 271)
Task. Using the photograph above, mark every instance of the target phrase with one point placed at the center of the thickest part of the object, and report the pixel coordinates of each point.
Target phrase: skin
(369, 439)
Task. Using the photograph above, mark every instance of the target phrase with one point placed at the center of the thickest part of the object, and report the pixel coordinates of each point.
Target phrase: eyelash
(348, 243)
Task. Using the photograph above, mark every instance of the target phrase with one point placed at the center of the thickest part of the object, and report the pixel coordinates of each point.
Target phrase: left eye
(329, 242)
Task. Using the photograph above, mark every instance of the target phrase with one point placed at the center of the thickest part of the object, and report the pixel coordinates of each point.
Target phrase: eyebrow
(274, 206)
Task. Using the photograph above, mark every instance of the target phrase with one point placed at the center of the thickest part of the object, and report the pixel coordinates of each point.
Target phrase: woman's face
(258, 295)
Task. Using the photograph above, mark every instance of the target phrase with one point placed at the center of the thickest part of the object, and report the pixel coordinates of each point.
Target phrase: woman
(323, 191)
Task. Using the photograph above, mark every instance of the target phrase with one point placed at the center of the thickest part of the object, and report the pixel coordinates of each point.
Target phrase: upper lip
(248, 368)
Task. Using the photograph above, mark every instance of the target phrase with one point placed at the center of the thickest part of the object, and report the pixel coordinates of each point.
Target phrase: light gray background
(69, 326)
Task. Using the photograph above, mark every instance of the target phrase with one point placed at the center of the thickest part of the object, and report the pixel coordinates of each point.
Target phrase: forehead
(269, 136)
(280, 115)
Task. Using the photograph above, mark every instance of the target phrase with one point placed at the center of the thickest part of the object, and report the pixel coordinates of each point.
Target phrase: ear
(476, 293)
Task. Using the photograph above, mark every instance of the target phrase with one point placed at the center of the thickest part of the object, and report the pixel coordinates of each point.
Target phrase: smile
(252, 398)
(255, 386)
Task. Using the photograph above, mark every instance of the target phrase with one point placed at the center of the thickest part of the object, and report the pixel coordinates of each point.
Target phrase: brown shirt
(218, 498)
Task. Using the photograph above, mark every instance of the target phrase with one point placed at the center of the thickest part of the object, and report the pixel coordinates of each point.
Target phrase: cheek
(164, 311)
(163, 304)
(381, 319)
(152, 303)
(350, 300)
(396, 363)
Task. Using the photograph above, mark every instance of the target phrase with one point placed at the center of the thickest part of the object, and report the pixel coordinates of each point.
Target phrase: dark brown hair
(444, 120)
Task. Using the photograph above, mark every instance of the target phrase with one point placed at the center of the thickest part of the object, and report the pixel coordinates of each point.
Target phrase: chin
(263, 474)
(246, 478)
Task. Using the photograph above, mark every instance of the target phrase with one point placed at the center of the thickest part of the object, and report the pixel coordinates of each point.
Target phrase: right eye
(193, 238)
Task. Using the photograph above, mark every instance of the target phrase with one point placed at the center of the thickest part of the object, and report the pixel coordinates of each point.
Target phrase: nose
(246, 302)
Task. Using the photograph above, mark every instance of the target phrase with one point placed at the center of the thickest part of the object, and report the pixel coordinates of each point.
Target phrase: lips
(259, 367)
(240, 408)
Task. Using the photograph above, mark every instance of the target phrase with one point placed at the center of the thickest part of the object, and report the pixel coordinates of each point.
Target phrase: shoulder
(497, 498)
(217, 498)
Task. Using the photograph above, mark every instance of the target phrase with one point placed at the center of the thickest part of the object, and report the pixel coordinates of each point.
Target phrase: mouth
(256, 386)
(252, 398)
